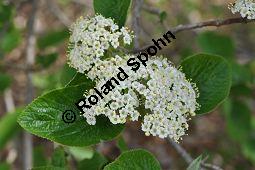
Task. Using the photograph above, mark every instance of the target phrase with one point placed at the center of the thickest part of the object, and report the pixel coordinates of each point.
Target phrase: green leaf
(122, 144)
(58, 158)
(138, 159)
(5, 81)
(116, 9)
(10, 40)
(46, 60)
(95, 163)
(212, 75)
(52, 38)
(43, 117)
(195, 164)
(239, 121)
(211, 42)
(8, 126)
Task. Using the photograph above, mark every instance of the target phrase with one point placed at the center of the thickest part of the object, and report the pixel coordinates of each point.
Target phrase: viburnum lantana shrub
(163, 97)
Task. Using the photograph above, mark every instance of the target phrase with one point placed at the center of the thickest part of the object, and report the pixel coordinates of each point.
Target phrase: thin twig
(137, 5)
(30, 60)
(157, 12)
(54, 8)
(8, 99)
(186, 156)
(29, 68)
(210, 166)
(188, 159)
(214, 23)
(20, 67)
(151, 9)
(30, 49)
(85, 3)
(80, 2)
(210, 23)
(10, 108)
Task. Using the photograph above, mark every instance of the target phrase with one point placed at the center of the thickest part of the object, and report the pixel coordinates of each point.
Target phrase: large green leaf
(116, 9)
(43, 117)
(211, 42)
(138, 159)
(212, 75)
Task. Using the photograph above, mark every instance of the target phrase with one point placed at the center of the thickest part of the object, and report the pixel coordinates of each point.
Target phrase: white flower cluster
(245, 7)
(91, 37)
(158, 93)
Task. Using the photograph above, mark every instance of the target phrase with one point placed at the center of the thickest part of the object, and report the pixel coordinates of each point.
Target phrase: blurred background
(33, 42)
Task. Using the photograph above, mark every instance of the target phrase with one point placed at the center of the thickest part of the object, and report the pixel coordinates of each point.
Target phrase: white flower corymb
(159, 94)
(91, 37)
